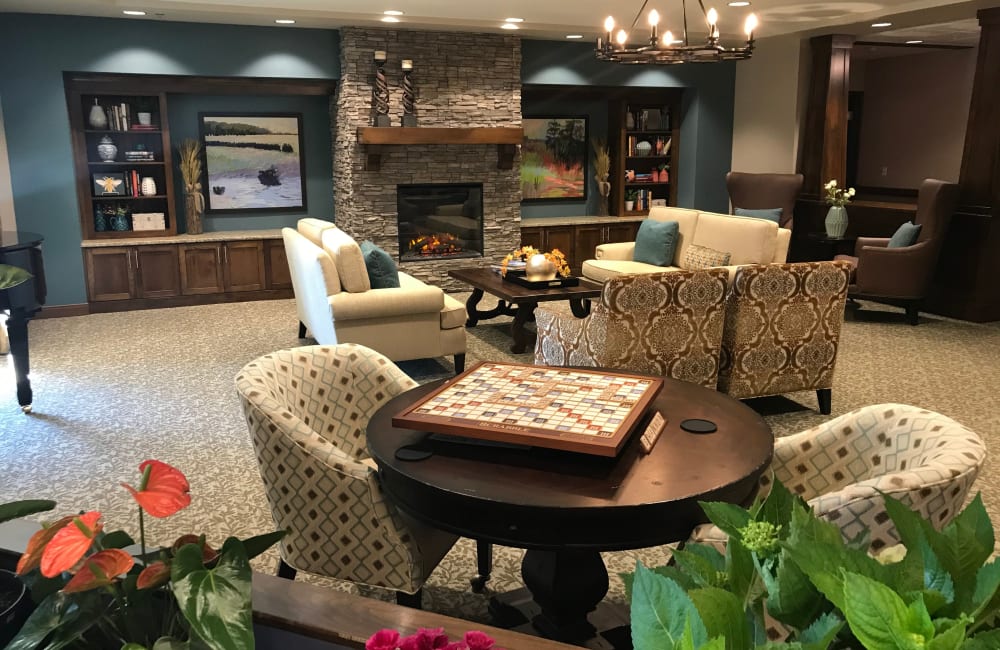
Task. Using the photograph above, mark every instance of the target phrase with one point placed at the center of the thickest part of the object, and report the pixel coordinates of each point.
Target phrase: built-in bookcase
(643, 138)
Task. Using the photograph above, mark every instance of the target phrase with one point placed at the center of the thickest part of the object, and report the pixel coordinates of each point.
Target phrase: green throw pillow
(771, 214)
(655, 242)
(382, 272)
(905, 235)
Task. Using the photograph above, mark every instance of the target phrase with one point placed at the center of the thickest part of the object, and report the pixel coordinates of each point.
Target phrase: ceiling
(552, 20)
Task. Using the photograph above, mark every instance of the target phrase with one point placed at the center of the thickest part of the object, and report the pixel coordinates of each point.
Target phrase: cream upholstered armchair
(307, 409)
(667, 324)
(842, 467)
(782, 330)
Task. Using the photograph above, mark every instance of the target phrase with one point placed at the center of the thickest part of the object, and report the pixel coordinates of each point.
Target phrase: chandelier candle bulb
(622, 38)
(750, 25)
(654, 20)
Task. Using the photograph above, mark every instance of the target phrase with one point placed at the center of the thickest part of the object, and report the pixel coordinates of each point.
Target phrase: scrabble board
(581, 410)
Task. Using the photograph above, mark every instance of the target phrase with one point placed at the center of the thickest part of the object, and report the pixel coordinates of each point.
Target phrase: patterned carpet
(114, 389)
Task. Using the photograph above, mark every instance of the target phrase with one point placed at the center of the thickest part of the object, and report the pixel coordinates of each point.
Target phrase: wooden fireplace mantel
(375, 137)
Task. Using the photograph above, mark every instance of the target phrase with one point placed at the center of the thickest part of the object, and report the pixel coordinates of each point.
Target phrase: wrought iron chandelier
(665, 50)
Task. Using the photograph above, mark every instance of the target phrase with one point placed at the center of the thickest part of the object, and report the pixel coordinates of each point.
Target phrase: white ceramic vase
(836, 221)
(97, 119)
(106, 149)
(148, 186)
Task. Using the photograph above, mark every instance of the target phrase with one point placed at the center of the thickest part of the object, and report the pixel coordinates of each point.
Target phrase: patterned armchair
(782, 329)
(307, 409)
(667, 324)
(841, 468)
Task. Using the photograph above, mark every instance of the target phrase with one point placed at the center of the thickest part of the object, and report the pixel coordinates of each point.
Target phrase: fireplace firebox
(441, 220)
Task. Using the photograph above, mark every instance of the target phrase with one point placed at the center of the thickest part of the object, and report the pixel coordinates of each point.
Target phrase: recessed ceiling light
(392, 12)
(739, 3)
(881, 24)
(509, 26)
(574, 35)
(390, 19)
(133, 12)
(913, 42)
(284, 21)
(513, 20)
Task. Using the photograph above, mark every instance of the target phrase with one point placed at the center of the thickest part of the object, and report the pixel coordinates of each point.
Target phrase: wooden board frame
(530, 435)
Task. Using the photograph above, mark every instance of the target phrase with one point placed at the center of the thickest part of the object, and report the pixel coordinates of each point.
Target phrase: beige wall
(768, 106)
(914, 116)
(6, 192)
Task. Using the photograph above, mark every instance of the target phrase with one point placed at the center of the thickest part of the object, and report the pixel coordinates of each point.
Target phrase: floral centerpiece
(427, 639)
(836, 195)
(525, 253)
(93, 593)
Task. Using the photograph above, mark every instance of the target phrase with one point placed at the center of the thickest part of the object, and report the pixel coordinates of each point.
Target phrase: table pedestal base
(17, 330)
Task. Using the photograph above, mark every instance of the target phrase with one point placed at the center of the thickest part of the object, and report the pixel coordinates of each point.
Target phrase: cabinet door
(587, 239)
(110, 273)
(201, 268)
(560, 237)
(534, 237)
(157, 272)
(276, 272)
(620, 232)
(244, 265)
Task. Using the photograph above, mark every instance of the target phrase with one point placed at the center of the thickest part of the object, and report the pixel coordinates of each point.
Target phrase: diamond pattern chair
(307, 409)
(842, 467)
(667, 324)
(782, 330)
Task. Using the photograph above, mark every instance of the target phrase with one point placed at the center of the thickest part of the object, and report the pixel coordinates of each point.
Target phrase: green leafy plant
(935, 591)
(631, 195)
(11, 276)
(93, 593)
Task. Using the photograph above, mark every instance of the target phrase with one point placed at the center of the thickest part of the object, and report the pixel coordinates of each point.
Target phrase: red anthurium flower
(70, 544)
(477, 640)
(163, 489)
(208, 554)
(383, 640)
(99, 570)
(154, 575)
(425, 639)
(33, 554)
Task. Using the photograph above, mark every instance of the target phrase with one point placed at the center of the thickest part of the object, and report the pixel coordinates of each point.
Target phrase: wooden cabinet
(219, 267)
(129, 272)
(277, 275)
(578, 241)
(643, 143)
(120, 136)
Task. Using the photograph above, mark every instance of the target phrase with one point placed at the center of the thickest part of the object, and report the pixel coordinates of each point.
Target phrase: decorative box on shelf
(148, 221)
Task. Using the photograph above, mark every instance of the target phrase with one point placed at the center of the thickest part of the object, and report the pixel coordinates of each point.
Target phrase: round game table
(564, 507)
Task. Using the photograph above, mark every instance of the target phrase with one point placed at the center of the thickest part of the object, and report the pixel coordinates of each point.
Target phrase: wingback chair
(307, 409)
(782, 329)
(667, 324)
(764, 191)
(901, 275)
(843, 467)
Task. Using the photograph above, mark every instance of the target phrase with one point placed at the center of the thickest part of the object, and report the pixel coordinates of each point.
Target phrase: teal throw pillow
(655, 242)
(382, 272)
(771, 214)
(905, 235)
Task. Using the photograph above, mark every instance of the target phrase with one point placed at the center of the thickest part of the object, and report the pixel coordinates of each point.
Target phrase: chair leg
(484, 565)
(410, 600)
(285, 571)
(302, 330)
(913, 313)
(825, 398)
(459, 363)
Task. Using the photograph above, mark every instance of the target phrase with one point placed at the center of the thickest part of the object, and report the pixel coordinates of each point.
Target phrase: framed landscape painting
(253, 161)
(554, 159)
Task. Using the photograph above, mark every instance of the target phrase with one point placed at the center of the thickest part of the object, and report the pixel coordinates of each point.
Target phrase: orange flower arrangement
(556, 256)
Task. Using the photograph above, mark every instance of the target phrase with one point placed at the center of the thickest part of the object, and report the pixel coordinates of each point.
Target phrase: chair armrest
(617, 251)
(894, 272)
(383, 303)
(560, 340)
(880, 242)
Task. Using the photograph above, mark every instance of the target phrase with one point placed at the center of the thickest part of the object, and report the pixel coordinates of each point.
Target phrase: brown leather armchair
(900, 276)
(763, 191)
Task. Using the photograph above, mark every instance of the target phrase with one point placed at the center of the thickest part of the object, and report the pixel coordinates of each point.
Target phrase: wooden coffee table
(518, 301)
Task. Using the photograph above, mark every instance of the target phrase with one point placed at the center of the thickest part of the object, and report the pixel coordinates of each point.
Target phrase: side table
(835, 245)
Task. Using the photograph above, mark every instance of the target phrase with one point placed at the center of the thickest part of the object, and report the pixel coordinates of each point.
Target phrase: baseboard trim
(62, 311)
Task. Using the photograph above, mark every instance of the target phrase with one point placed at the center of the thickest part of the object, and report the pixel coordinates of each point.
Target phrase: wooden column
(965, 284)
(824, 149)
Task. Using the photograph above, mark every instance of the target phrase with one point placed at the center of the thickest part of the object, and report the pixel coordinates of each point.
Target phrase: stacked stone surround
(461, 80)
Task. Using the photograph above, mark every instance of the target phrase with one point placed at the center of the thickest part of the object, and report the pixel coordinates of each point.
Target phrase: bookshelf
(643, 137)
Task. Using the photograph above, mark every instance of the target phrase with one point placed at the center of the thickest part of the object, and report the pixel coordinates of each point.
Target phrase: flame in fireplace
(436, 244)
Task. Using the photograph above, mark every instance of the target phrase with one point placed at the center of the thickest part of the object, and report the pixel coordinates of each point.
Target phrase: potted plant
(94, 591)
(630, 197)
(11, 276)
(15, 603)
(934, 591)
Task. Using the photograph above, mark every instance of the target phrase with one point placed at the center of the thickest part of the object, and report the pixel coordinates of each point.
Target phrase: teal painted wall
(706, 112)
(183, 113)
(36, 49)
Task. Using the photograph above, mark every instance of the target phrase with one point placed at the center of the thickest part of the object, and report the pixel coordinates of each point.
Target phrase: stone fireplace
(461, 80)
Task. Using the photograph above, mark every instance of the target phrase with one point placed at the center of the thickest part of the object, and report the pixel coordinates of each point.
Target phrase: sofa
(748, 241)
(336, 303)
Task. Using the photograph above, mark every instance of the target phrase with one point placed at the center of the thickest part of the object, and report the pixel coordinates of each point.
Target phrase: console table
(22, 249)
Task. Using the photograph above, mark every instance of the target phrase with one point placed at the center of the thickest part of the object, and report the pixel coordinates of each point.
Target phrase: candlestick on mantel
(409, 97)
(380, 91)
